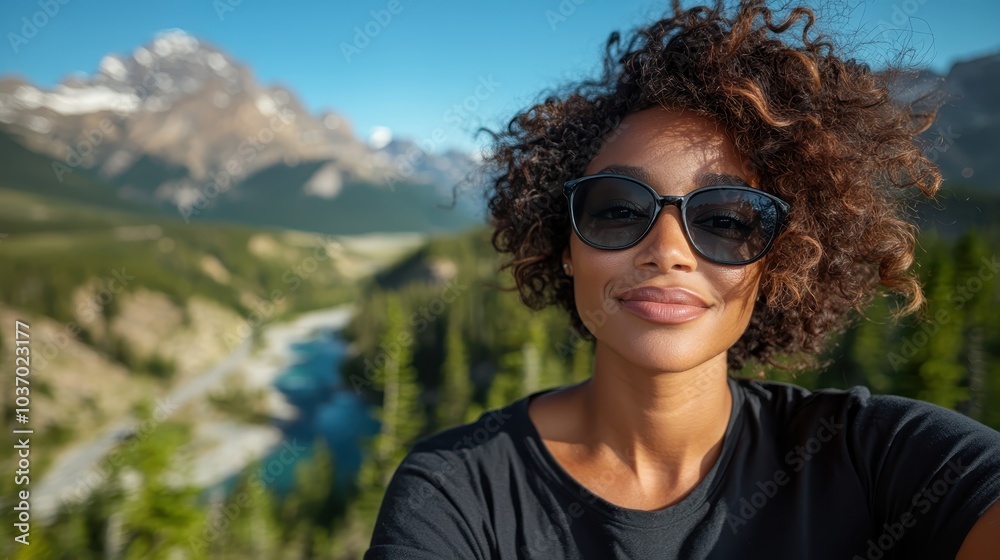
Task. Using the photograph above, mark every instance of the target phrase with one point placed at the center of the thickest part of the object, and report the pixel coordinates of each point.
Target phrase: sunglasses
(730, 225)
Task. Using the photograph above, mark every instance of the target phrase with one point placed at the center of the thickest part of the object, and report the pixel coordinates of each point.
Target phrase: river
(325, 407)
(311, 386)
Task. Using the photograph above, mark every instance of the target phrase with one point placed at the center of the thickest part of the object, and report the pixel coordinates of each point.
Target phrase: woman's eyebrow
(639, 173)
(704, 180)
(713, 179)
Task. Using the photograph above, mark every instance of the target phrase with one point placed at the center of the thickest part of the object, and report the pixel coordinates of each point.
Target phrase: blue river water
(327, 407)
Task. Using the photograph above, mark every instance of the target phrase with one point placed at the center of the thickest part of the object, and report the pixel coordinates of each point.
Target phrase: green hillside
(272, 197)
(54, 245)
(26, 171)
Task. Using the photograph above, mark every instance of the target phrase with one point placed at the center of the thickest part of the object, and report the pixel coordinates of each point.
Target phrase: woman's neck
(666, 428)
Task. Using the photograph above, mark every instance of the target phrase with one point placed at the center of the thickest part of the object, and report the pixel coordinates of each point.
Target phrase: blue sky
(421, 61)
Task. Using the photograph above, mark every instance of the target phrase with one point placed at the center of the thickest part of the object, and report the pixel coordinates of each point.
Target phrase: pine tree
(455, 393)
(976, 292)
(315, 500)
(508, 381)
(401, 416)
(162, 516)
(402, 420)
(938, 339)
(865, 346)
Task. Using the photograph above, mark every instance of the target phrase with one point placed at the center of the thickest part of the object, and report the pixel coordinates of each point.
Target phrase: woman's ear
(567, 261)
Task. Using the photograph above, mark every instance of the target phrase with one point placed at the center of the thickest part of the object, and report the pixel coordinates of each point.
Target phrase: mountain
(178, 124)
(25, 170)
(965, 137)
(967, 132)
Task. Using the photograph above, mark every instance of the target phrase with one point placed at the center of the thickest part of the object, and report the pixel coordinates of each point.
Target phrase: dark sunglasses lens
(731, 225)
(612, 212)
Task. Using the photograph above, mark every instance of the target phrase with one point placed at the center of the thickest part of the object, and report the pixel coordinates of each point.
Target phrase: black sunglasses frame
(569, 189)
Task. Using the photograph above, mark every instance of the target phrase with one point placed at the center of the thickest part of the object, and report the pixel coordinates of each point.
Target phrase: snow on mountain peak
(76, 101)
(217, 62)
(143, 56)
(112, 66)
(174, 41)
(29, 97)
(210, 93)
(73, 100)
(266, 105)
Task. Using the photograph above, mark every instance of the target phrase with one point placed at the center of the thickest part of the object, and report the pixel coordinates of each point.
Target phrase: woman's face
(675, 153)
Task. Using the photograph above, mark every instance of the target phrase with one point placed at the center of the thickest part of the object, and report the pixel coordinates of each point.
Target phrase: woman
(721, 196)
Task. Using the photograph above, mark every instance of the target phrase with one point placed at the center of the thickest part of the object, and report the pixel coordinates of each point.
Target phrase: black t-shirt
(825, 474)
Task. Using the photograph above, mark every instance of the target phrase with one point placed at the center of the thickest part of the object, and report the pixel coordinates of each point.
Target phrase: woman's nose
(666, 245)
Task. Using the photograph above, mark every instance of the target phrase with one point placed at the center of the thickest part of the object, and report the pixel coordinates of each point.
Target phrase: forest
(439, 339)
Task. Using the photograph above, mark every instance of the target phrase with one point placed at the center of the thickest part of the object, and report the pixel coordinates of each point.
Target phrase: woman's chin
(661, 354)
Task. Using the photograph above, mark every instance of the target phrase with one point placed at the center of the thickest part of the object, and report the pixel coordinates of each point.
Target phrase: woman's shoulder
(441, 490)
(490, 439)
(856, 404)
(914, 461)
(879, 434)
(455, 468)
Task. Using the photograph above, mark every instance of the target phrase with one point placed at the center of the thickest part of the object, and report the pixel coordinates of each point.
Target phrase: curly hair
(821, 132)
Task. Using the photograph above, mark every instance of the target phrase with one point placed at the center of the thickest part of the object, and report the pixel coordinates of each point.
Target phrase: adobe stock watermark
(86, 311)
(258, 481)
(492, 424)
(545, 537)
(456, 115)
(388, 352)
(75, 154)
(31, 25)
(535, 545)
(470, 181)
(924, 501)
(796, 460)
(247, 150)
(563, 11)
(137, 433)
(958, 297)
(223, 7)
(364, 34)
(900, 18)
(943, 139)
(91, 139)
(292, 277)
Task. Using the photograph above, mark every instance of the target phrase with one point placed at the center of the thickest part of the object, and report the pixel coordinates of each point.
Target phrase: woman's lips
(669, 306)
(666, 313)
